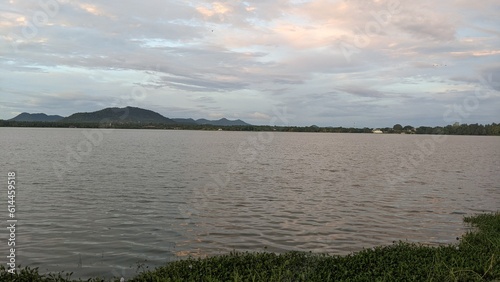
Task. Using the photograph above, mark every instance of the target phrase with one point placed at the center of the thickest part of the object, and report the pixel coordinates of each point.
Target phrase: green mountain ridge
(124, 115)
(36, 117)
(221, 122)
(127, 114)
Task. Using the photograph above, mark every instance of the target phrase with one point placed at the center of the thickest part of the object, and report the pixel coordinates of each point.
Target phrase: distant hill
(36, 117)
(127, 114)
(184, 120)
(221, 122)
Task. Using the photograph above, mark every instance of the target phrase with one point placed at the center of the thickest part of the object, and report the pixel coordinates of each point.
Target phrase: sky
(344, 63)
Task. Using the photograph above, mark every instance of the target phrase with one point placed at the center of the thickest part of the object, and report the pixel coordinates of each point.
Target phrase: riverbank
(475, 257)
(463, 129)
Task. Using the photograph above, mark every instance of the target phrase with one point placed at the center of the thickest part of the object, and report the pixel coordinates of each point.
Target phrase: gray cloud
(204, 57)
(361, 91)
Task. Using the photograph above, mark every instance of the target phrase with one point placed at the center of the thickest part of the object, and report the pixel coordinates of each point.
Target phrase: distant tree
(408, 127)
(397, 127)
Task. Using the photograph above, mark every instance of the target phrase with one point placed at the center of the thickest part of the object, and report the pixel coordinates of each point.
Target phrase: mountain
(127, 114)
(184, 120)
(36, 117)
(221, 122)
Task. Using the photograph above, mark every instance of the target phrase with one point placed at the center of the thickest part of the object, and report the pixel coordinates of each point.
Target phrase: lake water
(100, 202)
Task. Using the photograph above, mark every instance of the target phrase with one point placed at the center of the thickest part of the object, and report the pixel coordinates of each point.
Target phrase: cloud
(214, 9)
(259, 116)
(205, 99)
(362, 91)
(225, 57)
(215, 115)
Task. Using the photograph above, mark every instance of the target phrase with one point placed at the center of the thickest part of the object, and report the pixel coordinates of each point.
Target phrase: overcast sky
(329, 63)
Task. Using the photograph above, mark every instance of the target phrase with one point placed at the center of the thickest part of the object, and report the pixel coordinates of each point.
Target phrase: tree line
(456, 129)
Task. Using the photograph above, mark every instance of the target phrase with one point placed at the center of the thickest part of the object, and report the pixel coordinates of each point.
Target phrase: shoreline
(462, 130)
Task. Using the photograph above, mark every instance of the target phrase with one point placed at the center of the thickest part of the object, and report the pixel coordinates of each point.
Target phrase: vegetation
(122, 115)
(37, 117)
(463, 129)
(476, 257)
(127, 115)
(137, 118)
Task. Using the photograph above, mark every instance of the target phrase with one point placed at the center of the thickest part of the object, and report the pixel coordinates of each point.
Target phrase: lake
(103, 202)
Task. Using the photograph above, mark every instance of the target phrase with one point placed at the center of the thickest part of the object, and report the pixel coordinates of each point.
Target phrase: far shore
(463, 129)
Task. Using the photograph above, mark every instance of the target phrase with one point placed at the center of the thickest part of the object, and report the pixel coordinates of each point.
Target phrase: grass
(475, 257)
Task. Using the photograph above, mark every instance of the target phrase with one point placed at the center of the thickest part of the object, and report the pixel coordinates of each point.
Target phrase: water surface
(99, 202)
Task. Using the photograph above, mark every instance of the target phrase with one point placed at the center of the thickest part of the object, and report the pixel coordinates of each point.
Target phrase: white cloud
(221, 57)
(259, 116)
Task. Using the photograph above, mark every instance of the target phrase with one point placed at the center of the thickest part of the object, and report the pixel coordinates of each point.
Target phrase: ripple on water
(157, 196)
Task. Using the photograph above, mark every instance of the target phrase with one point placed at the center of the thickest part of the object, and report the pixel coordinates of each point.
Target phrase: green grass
(475, 257)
